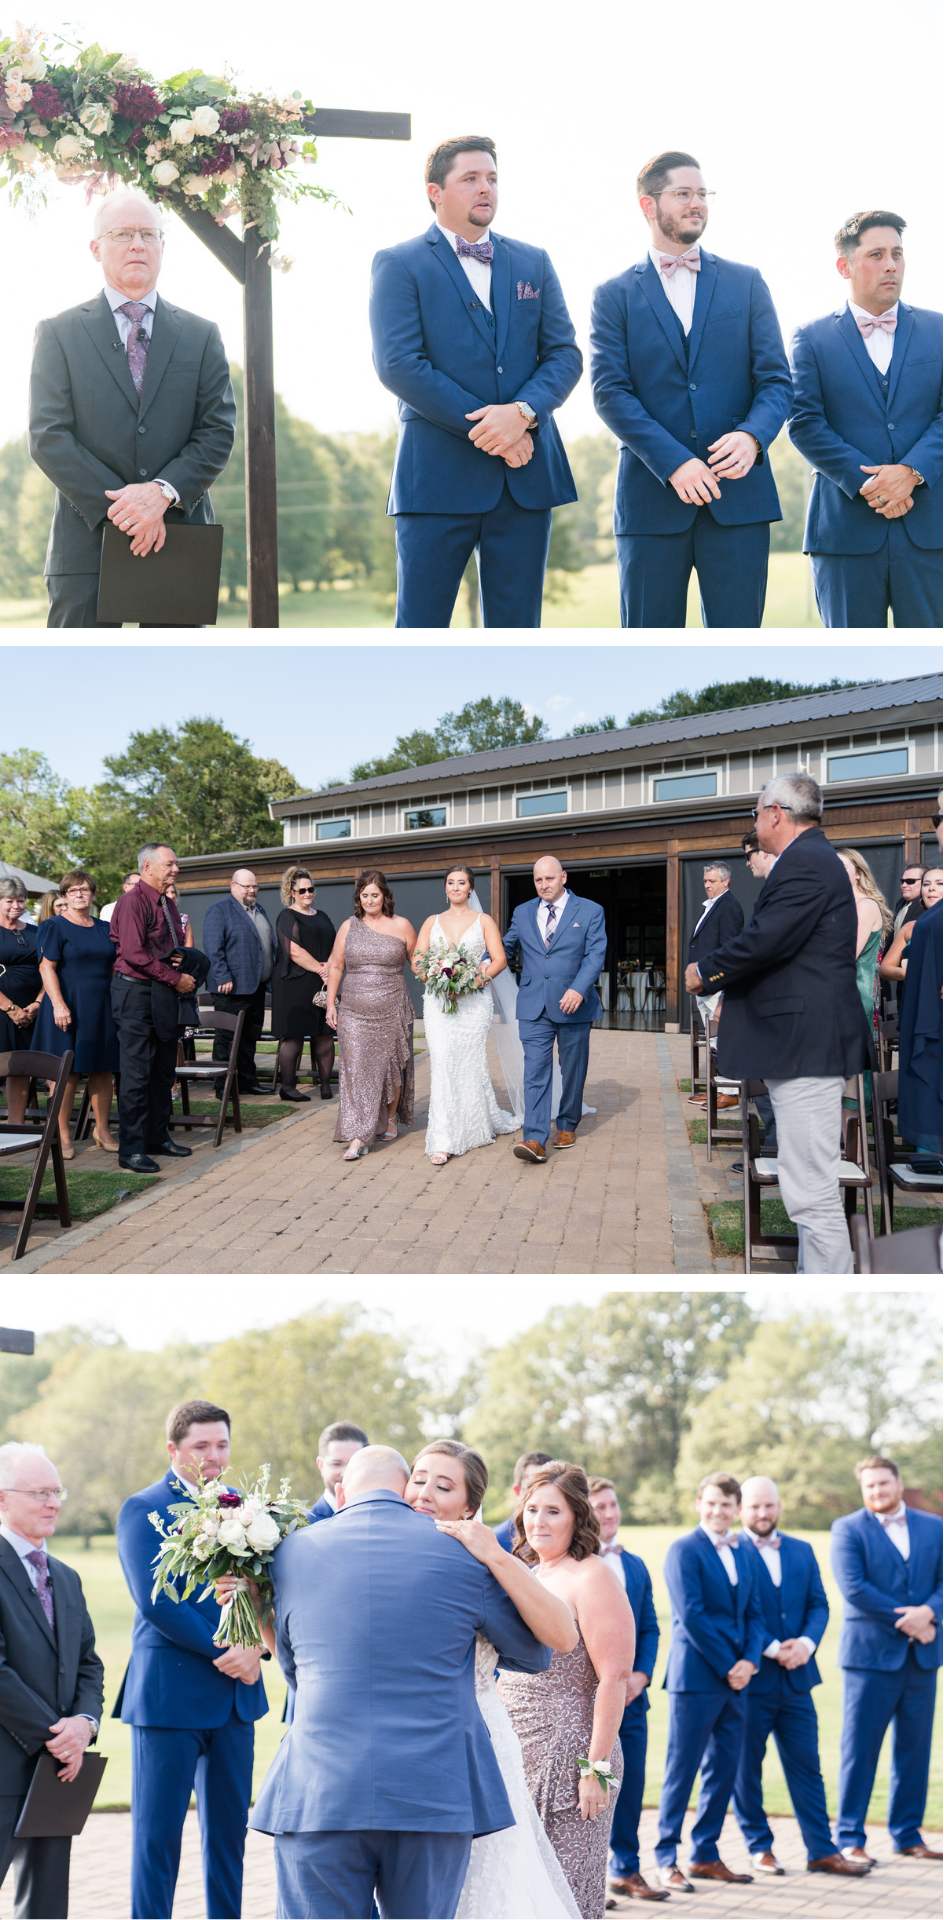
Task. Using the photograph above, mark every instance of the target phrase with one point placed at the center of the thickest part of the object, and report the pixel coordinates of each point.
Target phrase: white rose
(211, 1523)
(69, 146)
(32, 66)
(194, 183)
(182, 132)
(248, 1511)
(206, 121)
(232, 1535)
(165, 173)
(95, 117)
(263, 1533)
(203, 1546)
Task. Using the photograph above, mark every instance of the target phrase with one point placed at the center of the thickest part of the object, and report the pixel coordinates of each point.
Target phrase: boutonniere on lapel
(527, 292)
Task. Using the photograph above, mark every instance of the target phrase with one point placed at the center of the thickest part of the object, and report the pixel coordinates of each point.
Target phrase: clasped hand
(739, 1675)
(889, 491)
(729, 458)
(140, 510)
(917, 1623)
(792, 1653)
(500, 430)
(70, 1739)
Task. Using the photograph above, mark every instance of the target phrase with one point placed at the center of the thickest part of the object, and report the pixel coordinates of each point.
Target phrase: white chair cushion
(906, 1177)
(20, 1142)
(767, 1172)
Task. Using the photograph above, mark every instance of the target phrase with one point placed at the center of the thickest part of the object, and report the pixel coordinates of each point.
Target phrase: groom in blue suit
(867, 416)
(387, 1773)
(688, 371)
(563, 947)
(191, 1707)
(472, 334)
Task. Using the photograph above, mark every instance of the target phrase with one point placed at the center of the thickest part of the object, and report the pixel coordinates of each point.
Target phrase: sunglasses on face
(936, 819)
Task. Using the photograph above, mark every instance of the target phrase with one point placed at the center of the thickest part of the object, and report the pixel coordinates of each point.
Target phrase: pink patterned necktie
(549, 929)
(138, 342)
(669, 263)
(38, 1560)
(474, 249)
(886, 322)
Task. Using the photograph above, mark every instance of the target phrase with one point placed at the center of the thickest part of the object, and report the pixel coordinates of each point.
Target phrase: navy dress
(20, 983)
(84, 957)
(919, 1053)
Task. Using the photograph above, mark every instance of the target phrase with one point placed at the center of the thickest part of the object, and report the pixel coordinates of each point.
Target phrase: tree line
(652, 1390)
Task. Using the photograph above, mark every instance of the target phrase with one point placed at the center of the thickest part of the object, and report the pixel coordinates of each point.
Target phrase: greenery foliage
(480, 727)
(723, 694)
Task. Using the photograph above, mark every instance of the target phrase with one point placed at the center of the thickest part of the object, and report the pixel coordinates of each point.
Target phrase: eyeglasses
(42, 1493)
(687, 195)
(911, 880)
(149, 235)
(304, 889)
(936, 819)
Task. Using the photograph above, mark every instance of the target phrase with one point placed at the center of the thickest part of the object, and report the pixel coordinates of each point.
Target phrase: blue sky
(319, 708)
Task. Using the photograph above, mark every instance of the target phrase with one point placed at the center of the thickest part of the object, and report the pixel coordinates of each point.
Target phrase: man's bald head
(121, 209)
(761, 1505)
(244, 886)
(549, 877)
(373, 1467)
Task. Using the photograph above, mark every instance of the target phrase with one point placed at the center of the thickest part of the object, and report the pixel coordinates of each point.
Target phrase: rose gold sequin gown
(375, 1035)
(552, 1714)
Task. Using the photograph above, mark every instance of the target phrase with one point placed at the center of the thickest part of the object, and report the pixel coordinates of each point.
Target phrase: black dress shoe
(327, 1092)
(171, 1149)
(255, 1088)
(292, 1093)
(138, 1163)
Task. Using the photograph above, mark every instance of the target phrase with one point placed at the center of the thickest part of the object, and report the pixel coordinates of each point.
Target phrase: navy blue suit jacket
(639, 1595)
(666, 405)
(713, 1624)
(722, 923)
(170, 1680)
(575, 958)
(322, 1510)
(874, 1579)
(847, 416)
(505, 1533)
(798, 1606)
(444, 355)
(233, 947)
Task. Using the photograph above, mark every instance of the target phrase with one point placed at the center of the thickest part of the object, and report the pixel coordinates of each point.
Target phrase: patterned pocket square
(527, 292)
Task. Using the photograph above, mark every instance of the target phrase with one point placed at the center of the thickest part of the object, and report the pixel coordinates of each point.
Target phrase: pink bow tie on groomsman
(670, 262)
(896, 1519)
(727, 1540)
(610, 1546)
(772, 1540)
(886, 321)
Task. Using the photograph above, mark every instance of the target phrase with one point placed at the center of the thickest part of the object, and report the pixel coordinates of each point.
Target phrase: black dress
(293, 988)
(20, 983)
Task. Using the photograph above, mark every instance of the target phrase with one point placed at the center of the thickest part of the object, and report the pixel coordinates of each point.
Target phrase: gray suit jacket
(89, 430)
(43, 1674)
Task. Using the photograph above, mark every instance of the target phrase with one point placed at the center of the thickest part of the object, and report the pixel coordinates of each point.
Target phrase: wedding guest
(240, 944)
(51, 904)
(130, 880)
(909, 904)
(562, 940)
(633, 1576)
(144, 927)
(722, 916)
(919, 1054)
(575, 1709)
(472, 334)
(874, 926)
(76, 961)
(116, 367)
(525, 1466)
(336, 1446)
(894, 964)
(760, 865)
(171, 894)
(867, 416)
(52, 1691)
(21, 993)
(374, 1024)
(305, 938)
(689, 372)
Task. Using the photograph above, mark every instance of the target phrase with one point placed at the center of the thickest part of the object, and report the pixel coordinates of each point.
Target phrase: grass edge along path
(92, 1190)
(726, 1218)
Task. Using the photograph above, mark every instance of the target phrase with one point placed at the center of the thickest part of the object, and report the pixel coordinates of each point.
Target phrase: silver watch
(167, 490)
(530, 417)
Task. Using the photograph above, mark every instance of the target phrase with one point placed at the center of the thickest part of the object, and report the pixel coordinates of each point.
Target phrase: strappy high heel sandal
(438, 1159)
(354, 1152)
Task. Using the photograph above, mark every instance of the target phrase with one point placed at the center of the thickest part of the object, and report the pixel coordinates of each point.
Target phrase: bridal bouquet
(216, 1532)
(449, 974)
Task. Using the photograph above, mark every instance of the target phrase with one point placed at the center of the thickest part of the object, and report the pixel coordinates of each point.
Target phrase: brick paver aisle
(285, 1203)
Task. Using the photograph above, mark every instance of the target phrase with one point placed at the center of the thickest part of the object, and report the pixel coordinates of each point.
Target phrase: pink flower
(18, 93)
(10, 138)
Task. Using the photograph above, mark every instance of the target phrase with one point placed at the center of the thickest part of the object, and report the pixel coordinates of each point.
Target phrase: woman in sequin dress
(574, 1710)
(374, 1022)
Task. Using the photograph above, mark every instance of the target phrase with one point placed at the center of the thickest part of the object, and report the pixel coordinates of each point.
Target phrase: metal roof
(805, 710)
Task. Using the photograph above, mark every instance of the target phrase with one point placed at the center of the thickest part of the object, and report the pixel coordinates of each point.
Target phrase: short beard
(672, 226)
(477, 219)
(758, 1529)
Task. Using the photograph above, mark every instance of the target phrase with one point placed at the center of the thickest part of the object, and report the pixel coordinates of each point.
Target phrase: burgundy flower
(218, 162)
(46, 103)
(229, 1500)
(234, 119)
(136, 102)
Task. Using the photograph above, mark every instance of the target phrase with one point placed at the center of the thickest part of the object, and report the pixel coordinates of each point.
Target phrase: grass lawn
(727, 1218)
(111, 1609)
(90, 1191)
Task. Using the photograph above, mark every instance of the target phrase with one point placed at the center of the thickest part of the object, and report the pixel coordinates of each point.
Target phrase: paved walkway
(896, 1889)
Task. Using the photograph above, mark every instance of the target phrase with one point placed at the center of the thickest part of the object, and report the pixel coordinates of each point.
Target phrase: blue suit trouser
(871, 1702)
(731, 564)
(705, 1733)
(624, 1832)
(510, 544)
(573, 1051)
(791, 1718)
(167, 1763)
(332, 1876)
(857, 589)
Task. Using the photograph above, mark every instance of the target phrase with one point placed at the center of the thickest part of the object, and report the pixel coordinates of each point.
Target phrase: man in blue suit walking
(241, 947)
(717, 1638)
(563, 947)
(191, 1707)
(779, 1699)
(689, 372)
(472, 334)
(633, 1575)
(867, 416)
(887, 1563)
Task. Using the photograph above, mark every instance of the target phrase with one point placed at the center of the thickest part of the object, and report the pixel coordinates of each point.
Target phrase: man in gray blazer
(132, 412)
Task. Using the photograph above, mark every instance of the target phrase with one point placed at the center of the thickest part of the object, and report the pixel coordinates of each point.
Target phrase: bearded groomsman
(689, 372)
(779, 1699)
(888, 1567)
(633, 1575)
(717, 1637)
(472, 334)
(867, 416)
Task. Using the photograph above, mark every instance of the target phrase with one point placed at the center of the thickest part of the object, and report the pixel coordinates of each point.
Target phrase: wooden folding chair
(764, 1173)
(191, 1073)
(916, 1251)
(887, 1042)
(699, 1039)
(891, 1156)
(724, 1132)
(37, 1141)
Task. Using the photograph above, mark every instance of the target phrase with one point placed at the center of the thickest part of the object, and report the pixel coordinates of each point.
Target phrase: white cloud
(557, 702)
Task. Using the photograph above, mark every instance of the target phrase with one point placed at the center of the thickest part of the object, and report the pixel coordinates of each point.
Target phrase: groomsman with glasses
(689, 372)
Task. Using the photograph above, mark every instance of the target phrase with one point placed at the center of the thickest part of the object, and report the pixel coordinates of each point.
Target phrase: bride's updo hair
(290, 879)
(574, 1487)
(475, 1472)
(468, 873)
(374, 878)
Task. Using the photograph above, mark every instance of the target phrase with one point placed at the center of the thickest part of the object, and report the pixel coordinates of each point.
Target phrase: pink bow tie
(772, 1540)
(729, 1540)
(670, 262)
(612, 1546)
(887, 321)
(891, 1519)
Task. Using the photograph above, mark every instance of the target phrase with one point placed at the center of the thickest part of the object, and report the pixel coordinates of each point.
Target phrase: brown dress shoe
(716, 1870)
(920, 1852)
(766, 1863)
(530, 1150)
(726, 1100)
(565, 1140)
(859, 1855)
(835, 1863)
(674, 1881)
(636, 1888)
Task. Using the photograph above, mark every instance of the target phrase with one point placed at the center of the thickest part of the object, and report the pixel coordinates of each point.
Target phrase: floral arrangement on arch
(94, 118)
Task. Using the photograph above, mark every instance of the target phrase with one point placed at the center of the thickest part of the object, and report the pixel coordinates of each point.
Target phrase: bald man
(779, 1699)
(562, 941)
(239, 941)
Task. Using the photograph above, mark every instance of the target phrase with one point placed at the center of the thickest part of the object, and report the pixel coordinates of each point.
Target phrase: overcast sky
(799, 115)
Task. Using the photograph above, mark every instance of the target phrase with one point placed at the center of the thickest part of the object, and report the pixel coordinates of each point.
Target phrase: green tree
(27, 499)
(605, 725)
(589, 519)
(22, 1374)
(732, 693)
(39, 813)
(791, 474)
(481, 726)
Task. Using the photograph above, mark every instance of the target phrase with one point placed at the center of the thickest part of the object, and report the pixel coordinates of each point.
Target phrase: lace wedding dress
(463, 1110)
(514, 1874)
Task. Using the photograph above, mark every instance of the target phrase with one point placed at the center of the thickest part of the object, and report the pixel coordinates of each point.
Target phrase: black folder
(178, 587)
(56, 1808)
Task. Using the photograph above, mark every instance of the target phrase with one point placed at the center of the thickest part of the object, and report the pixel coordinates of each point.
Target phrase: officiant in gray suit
(132, 414)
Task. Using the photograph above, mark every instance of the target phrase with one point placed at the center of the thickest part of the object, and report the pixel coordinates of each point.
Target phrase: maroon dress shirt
(140, 933)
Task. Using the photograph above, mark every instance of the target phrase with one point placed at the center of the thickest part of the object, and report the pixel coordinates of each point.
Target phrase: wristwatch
(530, 417)
(919, 477)
(169, 492)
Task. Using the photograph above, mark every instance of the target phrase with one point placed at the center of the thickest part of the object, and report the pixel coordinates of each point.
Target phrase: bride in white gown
(463, 1110)
(513, 1874)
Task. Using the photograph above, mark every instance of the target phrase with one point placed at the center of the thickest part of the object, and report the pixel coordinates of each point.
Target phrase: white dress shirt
(331, 1498)
(477, 272)
(124, 325)
(560, 908)
(706, 907)
(897, 1531)
(679, 290)
(879, 344)
(23, 1547)
(771, 1560)
(612, 1558)
(727, 1557)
